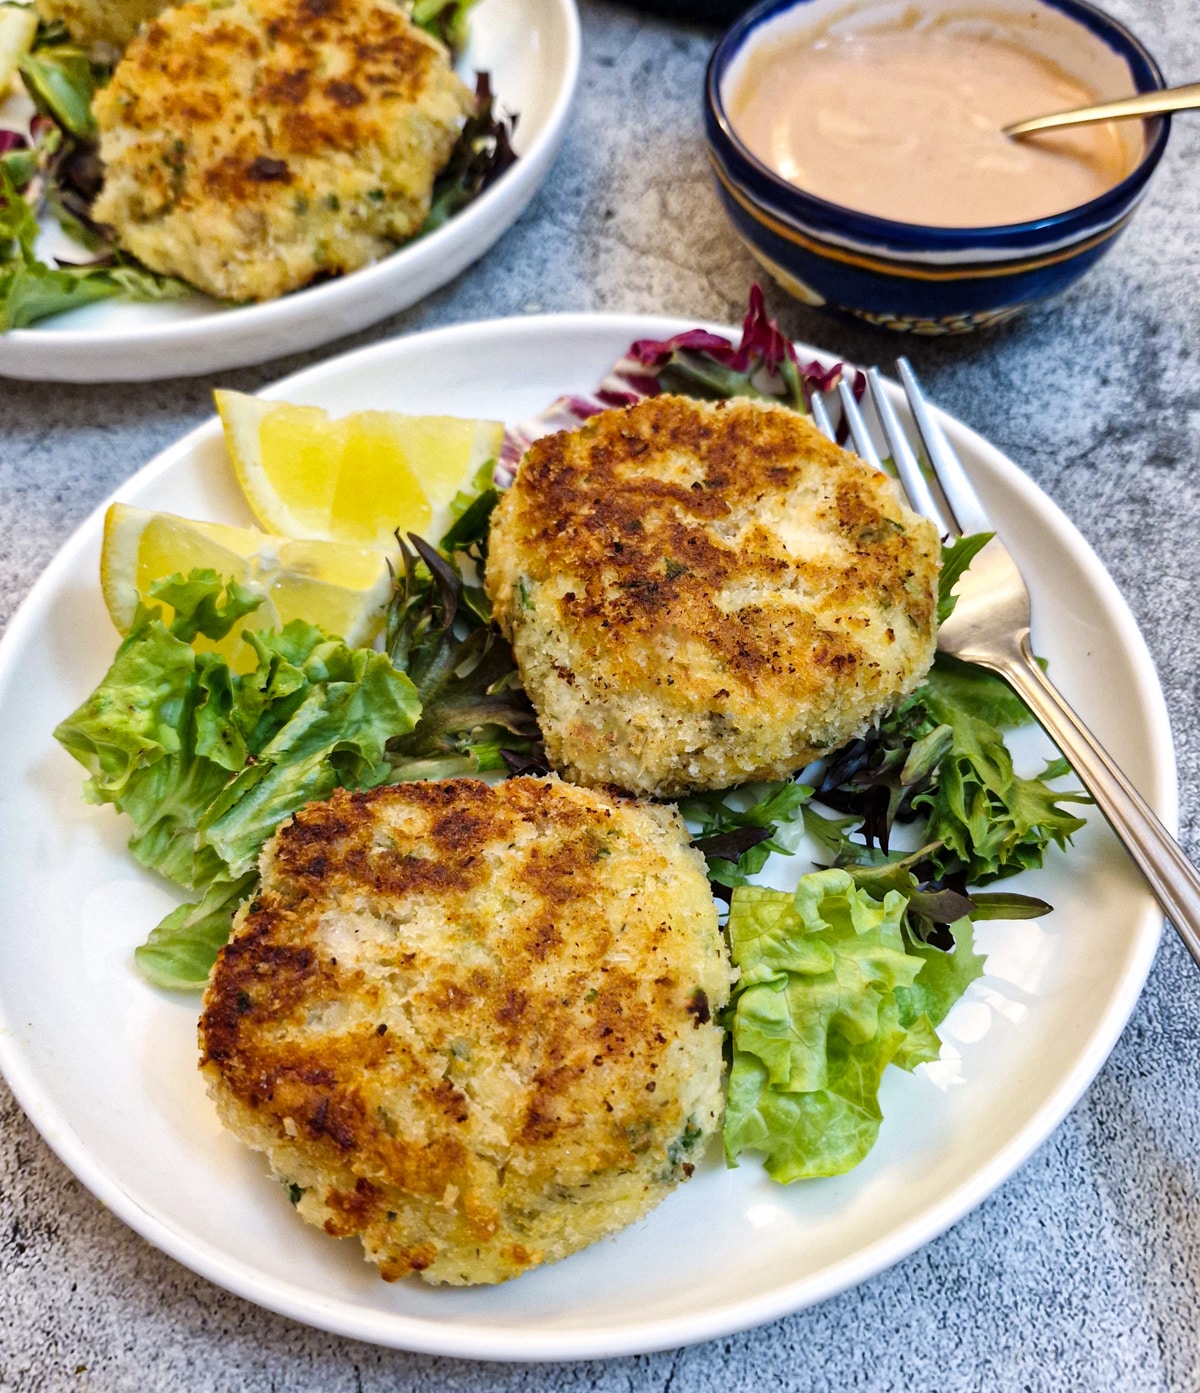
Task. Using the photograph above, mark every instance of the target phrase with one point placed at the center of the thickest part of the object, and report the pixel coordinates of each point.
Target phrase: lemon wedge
(355, 478)
(18, 25)
(344, 589)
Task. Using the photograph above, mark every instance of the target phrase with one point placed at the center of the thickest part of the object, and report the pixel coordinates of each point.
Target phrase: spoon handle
(1154, 103)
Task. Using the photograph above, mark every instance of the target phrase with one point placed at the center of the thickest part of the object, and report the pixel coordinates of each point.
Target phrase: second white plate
(106, 1067)
(531, 50)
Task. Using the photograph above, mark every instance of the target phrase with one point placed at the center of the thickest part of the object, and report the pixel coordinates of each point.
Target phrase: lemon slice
(18, 25)
(343, 589)
(357, 478)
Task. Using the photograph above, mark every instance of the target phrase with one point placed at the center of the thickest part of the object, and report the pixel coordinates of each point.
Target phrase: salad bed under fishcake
(853, 970)
(702, 594)
(245, 153)
(473, 1025)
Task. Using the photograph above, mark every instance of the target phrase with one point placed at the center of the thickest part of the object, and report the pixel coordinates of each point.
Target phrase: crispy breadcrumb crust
(251, 146)
(475, 1026)
(703, 594)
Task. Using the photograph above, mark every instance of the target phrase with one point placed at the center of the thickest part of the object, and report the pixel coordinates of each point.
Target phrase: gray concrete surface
(1083, 1271)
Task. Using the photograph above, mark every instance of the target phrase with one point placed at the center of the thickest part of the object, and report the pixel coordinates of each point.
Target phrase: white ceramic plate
(531, 49)
(105, 1066)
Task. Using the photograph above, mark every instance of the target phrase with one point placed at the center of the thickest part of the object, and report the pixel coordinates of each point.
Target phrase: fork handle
(1171, 877)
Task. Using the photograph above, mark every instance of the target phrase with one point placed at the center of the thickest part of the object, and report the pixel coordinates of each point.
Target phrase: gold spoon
(1154, 103)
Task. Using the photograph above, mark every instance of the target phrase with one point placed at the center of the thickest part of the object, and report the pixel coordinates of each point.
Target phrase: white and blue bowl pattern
(927, 279)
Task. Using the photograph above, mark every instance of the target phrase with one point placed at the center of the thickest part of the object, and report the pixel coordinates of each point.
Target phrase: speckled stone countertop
(1083, 1270)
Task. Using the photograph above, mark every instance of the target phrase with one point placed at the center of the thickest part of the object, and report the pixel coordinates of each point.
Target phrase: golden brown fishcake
(251, 146)
(703, 594)
(111, 23)
(474, 1025)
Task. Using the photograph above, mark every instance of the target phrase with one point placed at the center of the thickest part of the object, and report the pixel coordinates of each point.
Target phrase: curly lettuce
(941, 760)
(207, 763)
(831, 990)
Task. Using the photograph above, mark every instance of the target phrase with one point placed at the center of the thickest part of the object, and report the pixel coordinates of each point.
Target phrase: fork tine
(920, 495)
(821, 417)
(958, 490)
(863, 444)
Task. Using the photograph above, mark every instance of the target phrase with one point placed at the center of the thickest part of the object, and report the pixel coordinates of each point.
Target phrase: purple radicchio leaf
(653, 353)
(480, 156)
(26, 131)
(762, 341)
(696, 362)
(624, 385)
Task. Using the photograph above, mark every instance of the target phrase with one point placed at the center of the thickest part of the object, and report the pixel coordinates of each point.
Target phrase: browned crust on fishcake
(648, 558)
(521, 1024)
(297, 135)
(305, 113)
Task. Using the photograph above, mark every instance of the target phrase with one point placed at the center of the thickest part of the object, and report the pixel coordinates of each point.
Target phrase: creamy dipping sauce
(906, 123)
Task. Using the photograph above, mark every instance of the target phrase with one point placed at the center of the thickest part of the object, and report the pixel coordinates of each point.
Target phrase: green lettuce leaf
(957, 556)
(943, 977)
(935, 906)
(940, 758)
(133, 736)
(353, 702)
(18, 222)
(180, 952)
(738, 829)
(61, 83)
(990, 822)
(207, 763)
(976, 691)
(30, 290)
(475, 716)
(829, 993)
(446, 20)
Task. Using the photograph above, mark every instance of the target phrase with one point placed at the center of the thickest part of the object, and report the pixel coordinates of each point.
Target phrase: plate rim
(497, 1342)
(484, 221)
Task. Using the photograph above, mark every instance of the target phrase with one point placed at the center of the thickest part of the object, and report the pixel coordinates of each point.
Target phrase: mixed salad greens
(850, 972)
(208, 762)
(49, 166)
(50, 172)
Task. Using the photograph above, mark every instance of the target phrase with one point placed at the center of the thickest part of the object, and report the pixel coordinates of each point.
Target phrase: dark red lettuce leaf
(481, 155)
(696, 363)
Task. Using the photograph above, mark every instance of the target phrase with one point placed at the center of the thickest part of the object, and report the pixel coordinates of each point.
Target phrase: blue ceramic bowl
(927, 280)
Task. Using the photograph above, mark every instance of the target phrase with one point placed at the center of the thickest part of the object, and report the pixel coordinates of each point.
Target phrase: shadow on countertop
(718, 12)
